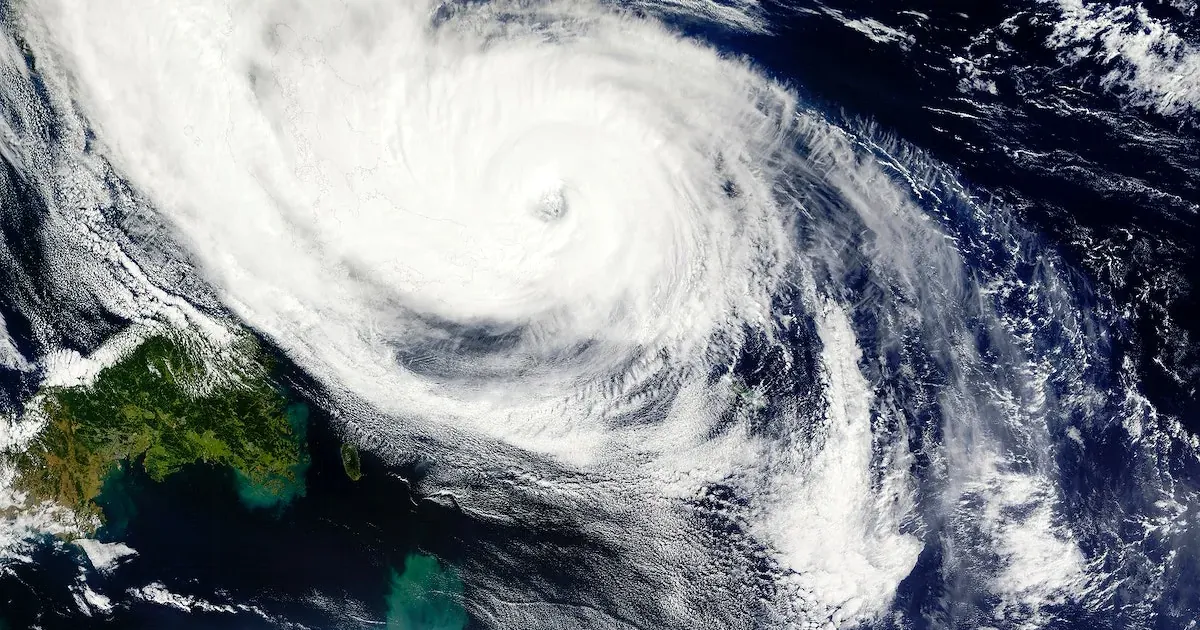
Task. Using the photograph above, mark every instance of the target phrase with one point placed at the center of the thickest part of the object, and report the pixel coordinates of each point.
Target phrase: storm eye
(730, 189)
(551, 203)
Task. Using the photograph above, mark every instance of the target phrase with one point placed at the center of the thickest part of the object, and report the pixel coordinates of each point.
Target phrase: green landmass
(351, 462)
(748, 396)
(279, 489)
(425, 596)
(161, 407)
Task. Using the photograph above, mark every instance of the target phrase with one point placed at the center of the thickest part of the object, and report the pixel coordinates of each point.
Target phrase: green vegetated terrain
(161, 407)
(351, 462)
(426, 596)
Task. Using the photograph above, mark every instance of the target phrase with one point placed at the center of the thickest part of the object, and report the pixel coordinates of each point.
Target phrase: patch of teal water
(278, 491)
(116, 502)
(426, 596)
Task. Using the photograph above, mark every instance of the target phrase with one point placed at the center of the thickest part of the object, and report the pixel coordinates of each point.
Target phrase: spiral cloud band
(591, 197)
(555, 229)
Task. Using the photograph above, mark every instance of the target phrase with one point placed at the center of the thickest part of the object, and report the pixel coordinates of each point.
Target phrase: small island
(351, 462)
(163, 407)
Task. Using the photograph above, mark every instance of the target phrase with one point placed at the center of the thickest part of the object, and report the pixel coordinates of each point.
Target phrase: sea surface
(1055, 145)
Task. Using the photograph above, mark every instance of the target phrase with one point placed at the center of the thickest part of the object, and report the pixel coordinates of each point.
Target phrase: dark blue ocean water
(328, 556)
(1125, 177)
(1114, 189)
(317, 562)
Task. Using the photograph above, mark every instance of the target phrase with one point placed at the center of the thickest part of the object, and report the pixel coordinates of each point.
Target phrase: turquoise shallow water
(279, 492)
(425, 596)
(117, 503)
(324, 552)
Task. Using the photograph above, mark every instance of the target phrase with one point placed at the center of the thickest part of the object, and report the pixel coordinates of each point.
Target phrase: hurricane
(730, 358)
